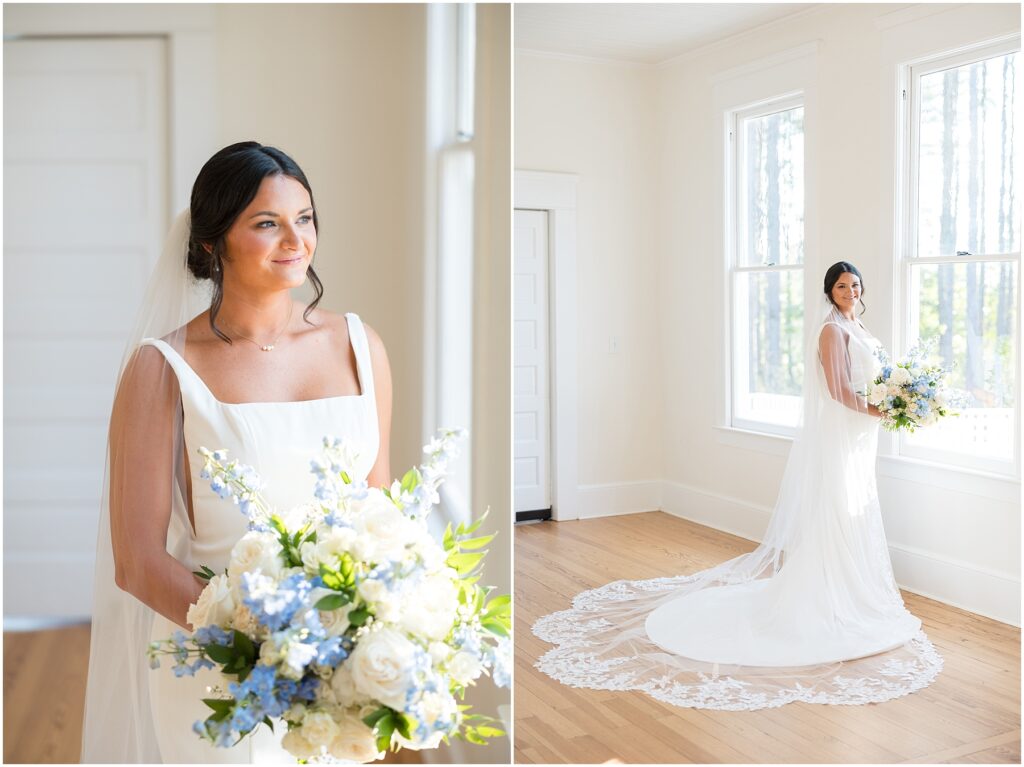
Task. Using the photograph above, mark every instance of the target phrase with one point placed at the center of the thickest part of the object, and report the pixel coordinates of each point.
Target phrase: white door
(531, 362)
(85, 208)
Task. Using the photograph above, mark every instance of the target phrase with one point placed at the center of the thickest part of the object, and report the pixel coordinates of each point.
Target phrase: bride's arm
(380, 474)
(144, 442)
(835, 362)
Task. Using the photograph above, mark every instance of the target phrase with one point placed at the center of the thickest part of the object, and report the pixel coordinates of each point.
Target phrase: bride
(220, 357)
(813, 614)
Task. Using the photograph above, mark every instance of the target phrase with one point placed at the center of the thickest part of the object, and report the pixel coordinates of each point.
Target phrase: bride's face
(271, 243)
(846, 292)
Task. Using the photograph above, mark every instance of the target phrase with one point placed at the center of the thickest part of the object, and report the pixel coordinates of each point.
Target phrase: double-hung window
(960, 249)
(766, 279)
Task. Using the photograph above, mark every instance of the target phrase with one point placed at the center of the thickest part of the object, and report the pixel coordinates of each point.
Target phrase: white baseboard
(618, 498)
(960, 584)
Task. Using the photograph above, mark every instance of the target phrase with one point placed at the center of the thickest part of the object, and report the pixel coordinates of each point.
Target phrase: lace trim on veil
(575, 662)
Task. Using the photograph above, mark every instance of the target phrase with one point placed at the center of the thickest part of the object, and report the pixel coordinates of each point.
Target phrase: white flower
(215, 605)
(344, 689)
(877, 393)
(335, 622)
(354, 741)
(439, 652)
(373, 590)
(332, 543)
(270, 653)
(295, 743)
(381, 666)
(319, 728)
(376, 518)
(430, 551)
(428, 610)
(296, 657)
(894, 390)
(297, 711)
(433, 741)
(246, 622)
(465, 667)
(255, 551)
(900, 376)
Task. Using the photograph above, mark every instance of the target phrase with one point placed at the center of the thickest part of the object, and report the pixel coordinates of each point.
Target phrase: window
(767, 265)
(961, 249)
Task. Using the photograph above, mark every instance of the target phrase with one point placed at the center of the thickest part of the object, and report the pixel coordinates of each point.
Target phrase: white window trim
(734, 116)
(907, 96)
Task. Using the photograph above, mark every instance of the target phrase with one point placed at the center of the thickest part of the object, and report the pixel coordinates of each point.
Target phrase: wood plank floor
(44, 696)
(970, 714)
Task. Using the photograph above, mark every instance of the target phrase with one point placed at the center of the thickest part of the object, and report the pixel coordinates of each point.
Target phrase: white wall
(599, 120)
(952, 536)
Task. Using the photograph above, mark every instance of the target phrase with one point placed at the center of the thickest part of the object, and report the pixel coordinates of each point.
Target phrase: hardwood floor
(970, 714)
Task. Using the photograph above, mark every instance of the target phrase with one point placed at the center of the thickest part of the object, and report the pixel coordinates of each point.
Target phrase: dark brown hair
(832, 276)
(225, 186)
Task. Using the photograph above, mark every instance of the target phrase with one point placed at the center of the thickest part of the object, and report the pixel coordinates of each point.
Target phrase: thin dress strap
(357, 337)
(188, 380)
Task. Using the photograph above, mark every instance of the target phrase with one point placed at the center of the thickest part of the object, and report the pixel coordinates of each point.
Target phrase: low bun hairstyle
(832, 276)
(225, 186)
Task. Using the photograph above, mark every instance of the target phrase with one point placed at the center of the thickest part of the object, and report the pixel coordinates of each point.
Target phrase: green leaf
(449, 539)
(494, 627)
(332, 602)
(405, 725)
(278, 524)
(244, 646)
(372, 719)
(358, 616)
(267, 721)
(476, 543)
(219, 704)
(410, 480)
(219, 654)
(490, 732)
(385, 727)
(463, 562)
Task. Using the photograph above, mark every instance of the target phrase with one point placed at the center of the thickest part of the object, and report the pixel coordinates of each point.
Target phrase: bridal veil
(812, 614)
(144, 467)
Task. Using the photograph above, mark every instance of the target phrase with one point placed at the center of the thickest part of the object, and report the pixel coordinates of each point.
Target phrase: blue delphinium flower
(274, 605)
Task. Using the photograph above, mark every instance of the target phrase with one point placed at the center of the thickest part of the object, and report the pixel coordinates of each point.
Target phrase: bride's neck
(255, 317)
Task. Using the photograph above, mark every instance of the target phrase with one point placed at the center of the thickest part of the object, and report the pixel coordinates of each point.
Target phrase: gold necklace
(270, 347)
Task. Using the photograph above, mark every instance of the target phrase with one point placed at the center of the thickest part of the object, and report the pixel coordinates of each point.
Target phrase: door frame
(189, 32)
(555, 194)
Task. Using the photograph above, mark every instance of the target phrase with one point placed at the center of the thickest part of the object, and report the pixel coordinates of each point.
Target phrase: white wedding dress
(813, 614)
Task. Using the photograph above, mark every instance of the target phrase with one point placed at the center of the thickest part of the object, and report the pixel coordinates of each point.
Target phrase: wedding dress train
(812, 614)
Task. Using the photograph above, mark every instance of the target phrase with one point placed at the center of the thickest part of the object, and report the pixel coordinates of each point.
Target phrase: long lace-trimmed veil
(144, 465)
(780, 623)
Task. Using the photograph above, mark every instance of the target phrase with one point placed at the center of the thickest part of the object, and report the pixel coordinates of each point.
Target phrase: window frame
(908, 135)
(735, 231)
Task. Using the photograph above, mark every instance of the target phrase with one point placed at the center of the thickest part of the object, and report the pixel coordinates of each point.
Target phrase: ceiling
(642, 33)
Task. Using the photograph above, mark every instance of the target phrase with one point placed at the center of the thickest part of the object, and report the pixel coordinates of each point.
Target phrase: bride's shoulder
(337, 323)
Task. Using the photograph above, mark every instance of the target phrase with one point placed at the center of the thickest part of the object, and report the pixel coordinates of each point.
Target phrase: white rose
(332, 543)
(377, 518)
(255, 551)
(429, 609)
(344, 689)
(295, 713)
(295, 743)
(373, 590)
(893, 390)
(381, 666)
(355, 741)
(310, 560)
(877, 393)
(429, 550)
(900, 376)
(464, 667)
(215, 605)
(319, 728)
(335, 622)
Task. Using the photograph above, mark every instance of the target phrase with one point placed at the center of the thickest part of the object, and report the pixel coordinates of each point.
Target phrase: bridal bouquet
(345, 617)
(911, 393)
